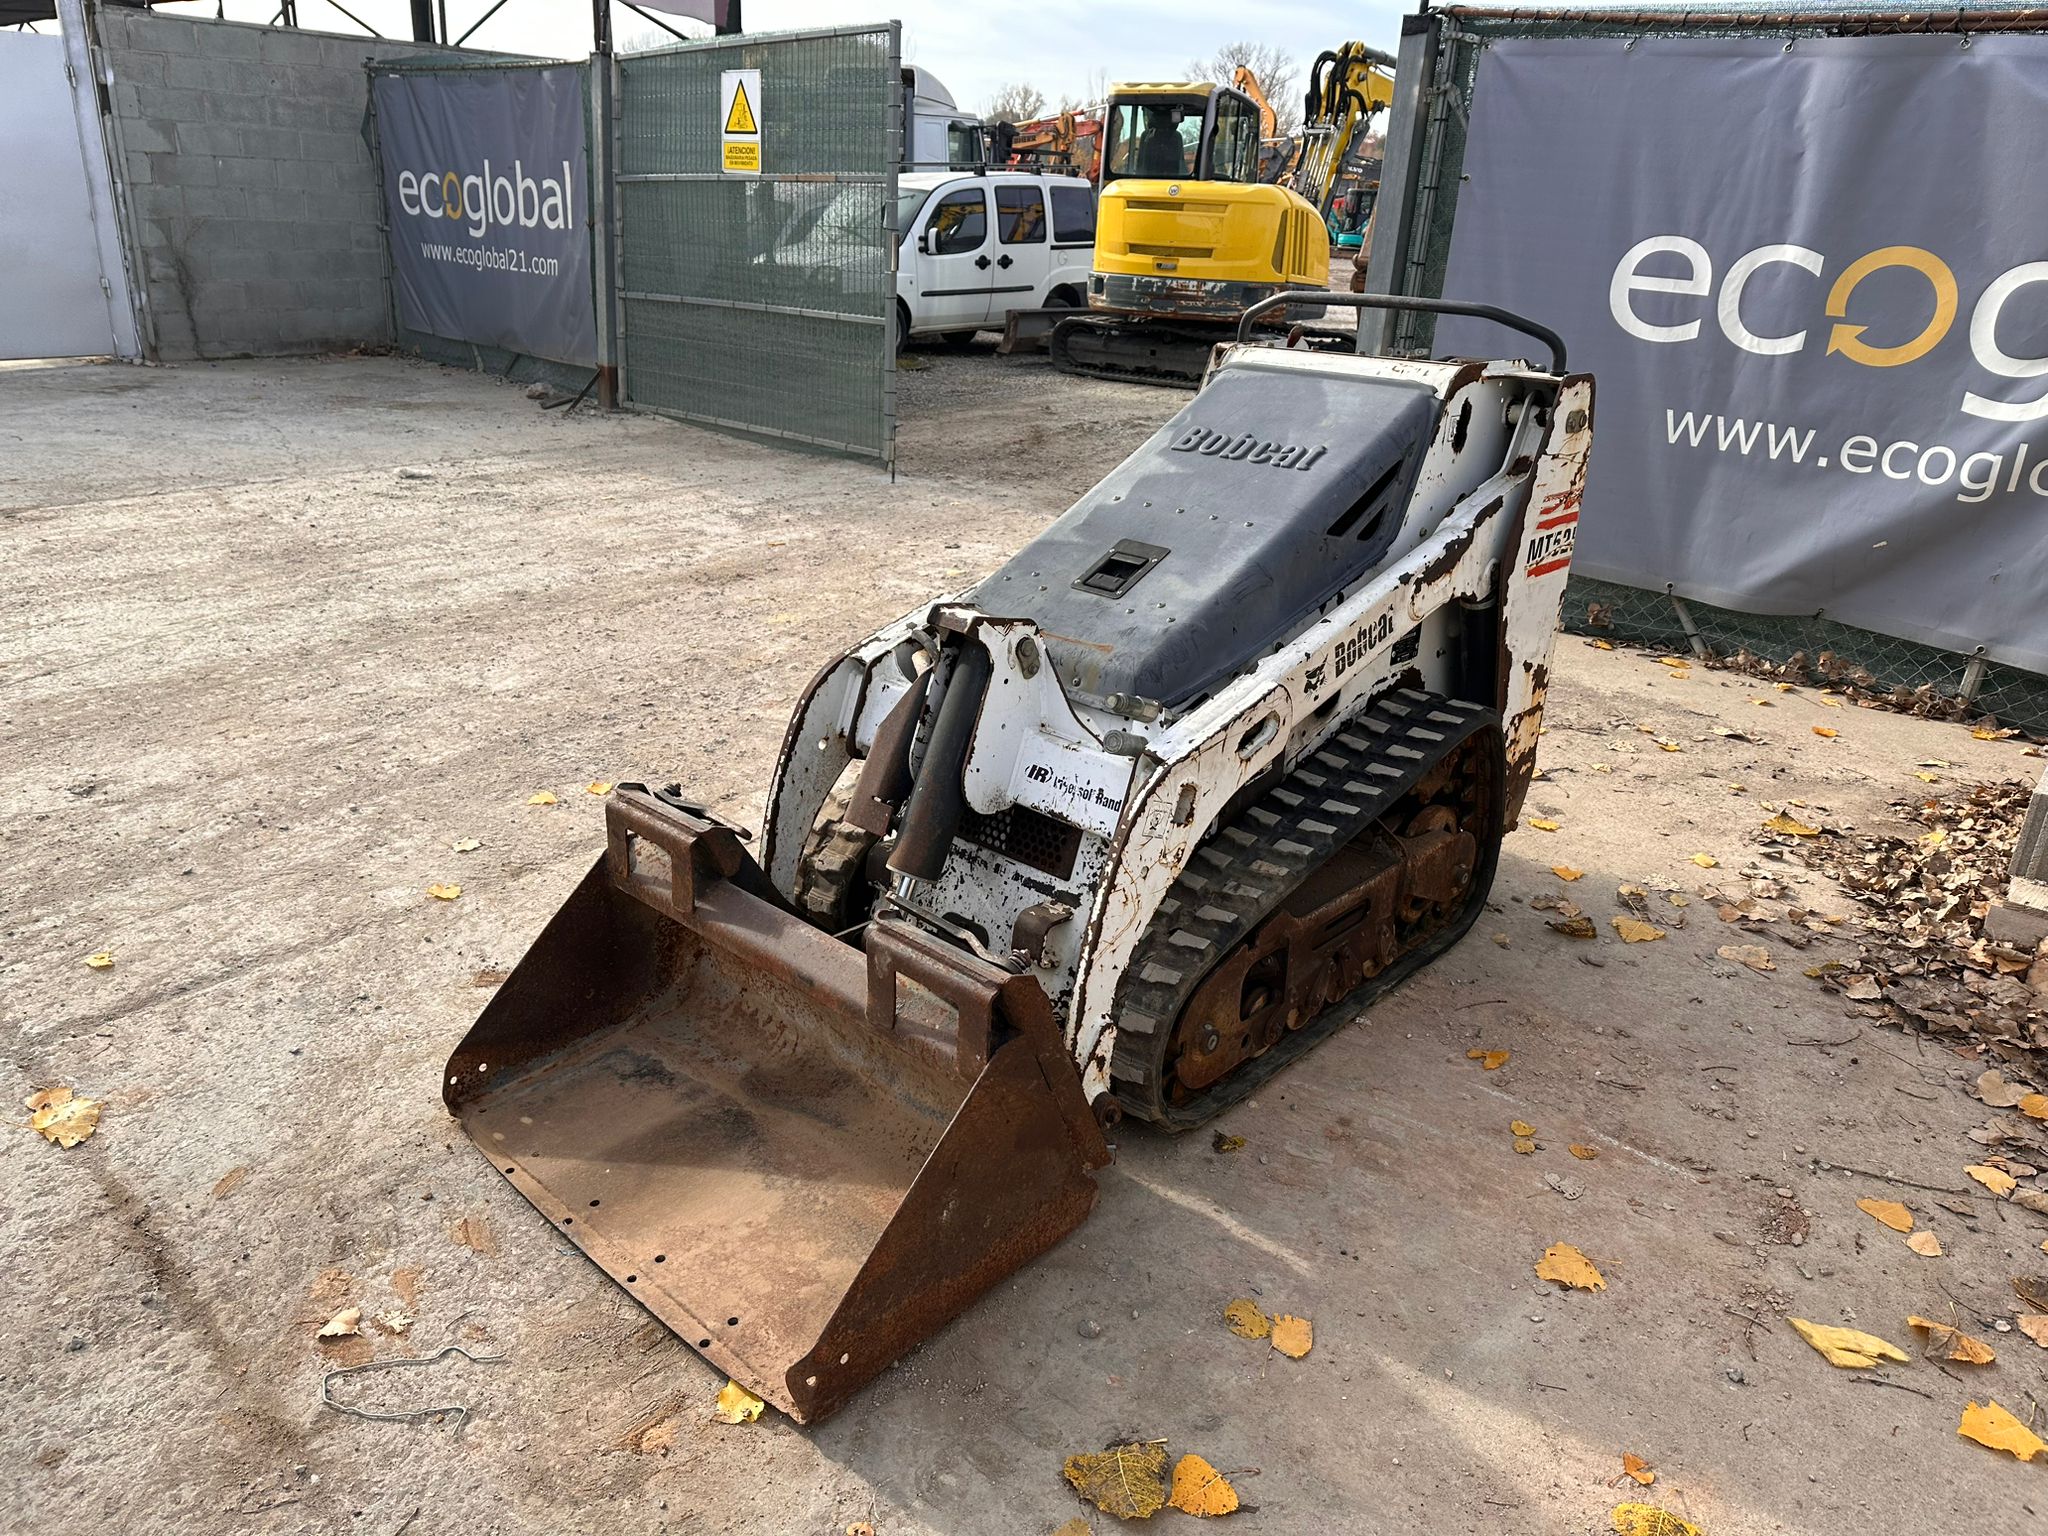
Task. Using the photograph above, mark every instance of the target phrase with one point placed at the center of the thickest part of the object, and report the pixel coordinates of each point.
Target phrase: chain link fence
(763, 303)
(1913, 675)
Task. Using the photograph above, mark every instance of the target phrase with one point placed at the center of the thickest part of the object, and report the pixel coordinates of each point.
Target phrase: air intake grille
(1028, 836)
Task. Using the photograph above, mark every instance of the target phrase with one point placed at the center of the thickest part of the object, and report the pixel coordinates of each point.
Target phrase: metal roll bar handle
(1498, 316)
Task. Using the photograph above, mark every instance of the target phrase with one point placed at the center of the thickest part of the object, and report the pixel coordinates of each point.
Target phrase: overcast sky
(974, 48)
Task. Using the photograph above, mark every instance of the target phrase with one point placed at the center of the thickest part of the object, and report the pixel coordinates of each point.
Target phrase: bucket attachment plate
(803, 1157)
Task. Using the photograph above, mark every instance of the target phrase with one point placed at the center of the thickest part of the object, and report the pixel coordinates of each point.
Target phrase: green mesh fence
(1875, 662)
(765, 303)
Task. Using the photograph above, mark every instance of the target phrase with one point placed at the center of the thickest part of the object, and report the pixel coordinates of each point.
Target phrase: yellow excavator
(1187, 235)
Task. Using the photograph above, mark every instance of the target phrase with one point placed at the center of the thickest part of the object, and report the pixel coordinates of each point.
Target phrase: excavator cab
(1186, 130)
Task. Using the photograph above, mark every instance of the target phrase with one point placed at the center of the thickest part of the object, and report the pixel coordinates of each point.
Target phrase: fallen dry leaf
(1992, 1088)
(1928, 778)
(1926, 1244)
(1521, 1128)
(1849, 1348)
(1986, 733)
(1293, 1336)
(1200, 1490)
(349, 1320)
(100, 961)
(1492, 1061)
(867, 1528)
(597, 787)
(1674, 661)
(544, 797)
(444, 892)
(1649, 1520)
(1524, 1145)
(1577, 926)
(1755, 956)
(2032, 1289)
(2034, 1325)
(1783, 823)
(1223, 1143)
(736, 1405)
(1997, 1180)
(1706, 861)
(2034, 1106)
(1953, 1342)
(1246, 1319)
(61, 1116)
(474, 1233)
(465, 845)
(1634, 1466)
(1078, 1526)
(1565, 1265)
(1634, 930)
(1668, 744)
(396, 1321)
(1827, 731)
(1583, 1152)
(1992, 1426)
(1890, 1212)
(228, 1181)
(1603, 645)
(1128, 1481)
(1566, 872)
(1544, 824)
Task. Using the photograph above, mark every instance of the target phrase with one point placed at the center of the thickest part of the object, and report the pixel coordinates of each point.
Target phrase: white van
(977, 245)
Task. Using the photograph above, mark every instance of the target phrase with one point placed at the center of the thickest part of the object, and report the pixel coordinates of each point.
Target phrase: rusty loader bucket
(803, 1157)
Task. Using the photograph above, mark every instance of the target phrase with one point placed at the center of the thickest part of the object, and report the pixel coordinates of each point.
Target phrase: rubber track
(1059, 345)
(1247, 868)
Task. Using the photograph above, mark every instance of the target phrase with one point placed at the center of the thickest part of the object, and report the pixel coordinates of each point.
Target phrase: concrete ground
(275, 635)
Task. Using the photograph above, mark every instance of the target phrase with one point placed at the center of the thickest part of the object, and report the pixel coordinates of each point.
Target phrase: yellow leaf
(465, 845)
(1997, 1180)
(1782, 687)
(1634, 1466)
(1783, 823)
(2034, 1325)
(100, 961)
(1521, 1128)
(1634, 930)
(1755, 956)
(1985, 733)
(1926, 1244)
(1244, 1318)
(1078, 1526)
(544, 797)
(1128, 1481)
(1706, 861)
(1577, 926)
(1674, 661)
(1603, 645)
(1524, 1145)
(444, 892)
(1200, 1490)
(1668, 744)
(1567, 1266)
(1221, 1142)
(1935, 838)
(1293, 1336)
(1992, 1426)
(1890, 1212)
(1582, 1152)
(1849, 1348)
(2034, 1106)
(1492, 1061)
(347, 1321)
(1953, 1342)
(1649, 1520)
(1827, 731)
(61, 1116)
(1544, 824)
(736, 1405)
(1566, 873)
(597, 787)
(1928, 778)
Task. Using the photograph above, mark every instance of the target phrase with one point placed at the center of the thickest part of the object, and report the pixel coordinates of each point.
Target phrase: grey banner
(1810, 282)
(486, 190)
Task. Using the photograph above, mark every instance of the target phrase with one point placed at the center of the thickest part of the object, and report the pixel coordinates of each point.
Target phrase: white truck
(937, 135)
(977, 244)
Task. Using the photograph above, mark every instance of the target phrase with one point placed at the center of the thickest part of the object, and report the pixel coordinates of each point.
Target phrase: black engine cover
(1223, 534)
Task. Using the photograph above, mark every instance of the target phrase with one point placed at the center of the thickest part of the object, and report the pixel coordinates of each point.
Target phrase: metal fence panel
(1442, 115)
(764, 303)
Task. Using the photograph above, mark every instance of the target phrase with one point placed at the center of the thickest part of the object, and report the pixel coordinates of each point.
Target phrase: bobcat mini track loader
(1120, 830)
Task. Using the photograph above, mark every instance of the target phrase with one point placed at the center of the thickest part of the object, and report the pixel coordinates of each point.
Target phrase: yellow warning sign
(739, 117)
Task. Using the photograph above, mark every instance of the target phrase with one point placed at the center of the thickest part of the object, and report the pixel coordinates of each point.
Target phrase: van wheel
(902, 325)
(1066, 296)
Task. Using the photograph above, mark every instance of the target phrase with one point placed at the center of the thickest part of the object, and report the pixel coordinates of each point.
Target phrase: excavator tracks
(1369, 859)
(1134, 351)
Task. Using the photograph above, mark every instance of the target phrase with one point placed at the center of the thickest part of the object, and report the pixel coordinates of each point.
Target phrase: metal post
(1692, 630)
(1973, 677)
(422, 21)
(1393, 216)
(604, 250)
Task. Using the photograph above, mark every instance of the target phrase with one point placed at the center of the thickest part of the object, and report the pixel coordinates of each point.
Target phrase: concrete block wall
(253, 208)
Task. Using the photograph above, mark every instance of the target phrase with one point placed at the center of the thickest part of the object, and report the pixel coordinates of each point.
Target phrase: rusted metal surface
(803, 1157)
(1027, 330)
(1847, 23)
